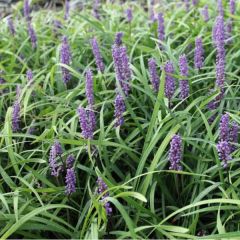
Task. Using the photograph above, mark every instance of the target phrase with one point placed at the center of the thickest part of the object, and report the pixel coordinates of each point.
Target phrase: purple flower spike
(16, 116)
(220, 8)
(233, 136)
(97, 55)
(67, 9)
(26, 10)
(102, 187)
(29, 76)
(89, 87)
(205, 13)
(224, 128)
(154, 78)
(232, 6)
(218, 32)
(184, 85)
(129, 15)
(152, 14)
(32, 35)
(224, 152)
(161, 29)
(187, 5)
(65, 56)
(169, 81)
(118, 38)
(87, 122)
(175, 153)
(198, 53)
(96, 6)
(56, 150)
(11, 26)
(70, 181)
(122, 68)
(120, 108)
(70, 161)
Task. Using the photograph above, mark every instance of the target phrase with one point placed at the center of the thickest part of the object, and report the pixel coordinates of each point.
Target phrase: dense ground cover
(132, 136)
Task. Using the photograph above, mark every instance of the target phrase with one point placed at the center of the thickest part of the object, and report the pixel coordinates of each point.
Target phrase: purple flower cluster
(96, 6)
(65, 58)
(27, 10)
(89, 87)
(87, 122)
(161, 28)
(11, 26)
(118, 38)
(187, 5)
(70, 161)
(16, 116)
(184, 85)
(129, 15)
(102, 190)
(32, 35)
(97, 55)
(195, 2)
(228, 137)
(224, 128)
(122, 68)
(232, 6)
(119, 109)
(224, 151)
(170, 80)
(154, 78)
(56, 151)
(70, 181)
(56, 26)
(205, 13)
(175, 153)
(198, 53)
(29, 76)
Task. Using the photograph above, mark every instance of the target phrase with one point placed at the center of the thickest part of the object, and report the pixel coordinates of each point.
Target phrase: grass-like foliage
(151, 152)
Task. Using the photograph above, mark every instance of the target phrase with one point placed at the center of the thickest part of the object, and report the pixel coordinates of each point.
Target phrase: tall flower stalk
(97, 55)
(175, 153)
(65, 58)
(184, 85)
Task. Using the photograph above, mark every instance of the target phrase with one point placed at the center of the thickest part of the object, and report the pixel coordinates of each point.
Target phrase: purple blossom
(232, 6)
(170, 80)
(102, 190)
(187, 5)
(16, 116)
(121, 65)
(32, 35)
(87, 122)
(195, 2)
(97, 55)
(70, 161)
(70, 181)
(198, 53)
(161, 29)
(65, 57)
(233, 136)
(56, 150)
(224, 128)
(27, 10)
(184, 85)
(18, 91)
(175, 153)
(56, 26)
(152, 14)
(205, 13)
(129, 15)
(218, 32)
(67, 9)
(220, 7)
(118, 38)
(11, 26)
(154, 78)
(224, 152)
(89, 87)
(119, 109)
(29, 76)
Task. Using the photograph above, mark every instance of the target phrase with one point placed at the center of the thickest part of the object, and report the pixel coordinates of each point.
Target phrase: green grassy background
(148, 200)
